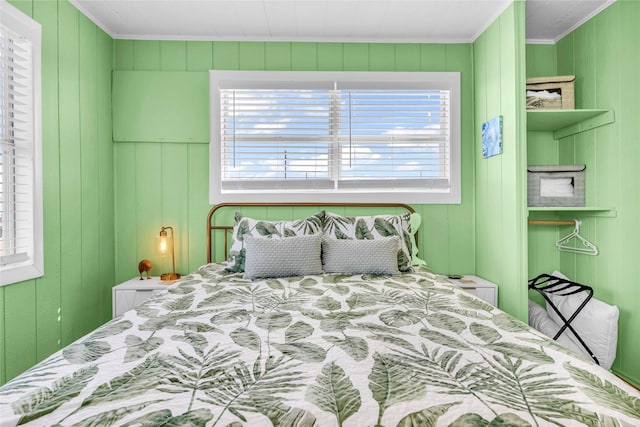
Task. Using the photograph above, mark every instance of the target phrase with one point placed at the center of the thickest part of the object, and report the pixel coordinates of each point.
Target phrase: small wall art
(492, 137)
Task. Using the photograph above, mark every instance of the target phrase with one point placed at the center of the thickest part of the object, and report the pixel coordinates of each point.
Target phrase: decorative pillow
(372, 228)
(540, 320)
(379, 256)
(245, 226)
(293, 256)
(597, 323)
(414, 222)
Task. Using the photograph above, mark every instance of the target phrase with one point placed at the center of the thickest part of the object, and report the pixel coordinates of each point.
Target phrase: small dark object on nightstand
(144, 266)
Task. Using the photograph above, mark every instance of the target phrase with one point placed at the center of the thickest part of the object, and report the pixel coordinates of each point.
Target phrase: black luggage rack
(546, 284)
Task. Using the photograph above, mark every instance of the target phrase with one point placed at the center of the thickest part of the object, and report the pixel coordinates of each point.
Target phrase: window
(21, 255)
(335, 136)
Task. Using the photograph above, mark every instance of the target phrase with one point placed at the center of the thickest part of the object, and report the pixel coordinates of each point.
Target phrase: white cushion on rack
(540, 320)
(597, 323)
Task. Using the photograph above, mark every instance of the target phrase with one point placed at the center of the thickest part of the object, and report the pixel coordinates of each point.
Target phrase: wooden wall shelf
(565, 123)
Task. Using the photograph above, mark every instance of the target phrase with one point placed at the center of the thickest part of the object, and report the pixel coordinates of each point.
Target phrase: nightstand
(131, 293)
(479, 287)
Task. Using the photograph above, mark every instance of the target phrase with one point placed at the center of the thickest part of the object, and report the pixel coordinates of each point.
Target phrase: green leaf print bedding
(410, 350)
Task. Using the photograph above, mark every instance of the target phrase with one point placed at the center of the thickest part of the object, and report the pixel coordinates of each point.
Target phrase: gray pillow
(293, 256)
(378, 256)
(373, 228)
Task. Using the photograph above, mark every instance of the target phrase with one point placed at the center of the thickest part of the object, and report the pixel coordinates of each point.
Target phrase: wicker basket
(553, 93)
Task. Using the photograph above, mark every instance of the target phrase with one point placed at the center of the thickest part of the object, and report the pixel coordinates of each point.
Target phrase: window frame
(450, 81)
(18, 22)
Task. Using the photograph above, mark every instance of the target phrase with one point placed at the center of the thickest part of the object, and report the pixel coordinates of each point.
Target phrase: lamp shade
(165, 247)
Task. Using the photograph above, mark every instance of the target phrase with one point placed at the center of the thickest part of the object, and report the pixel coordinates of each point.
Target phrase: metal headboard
(227, 228)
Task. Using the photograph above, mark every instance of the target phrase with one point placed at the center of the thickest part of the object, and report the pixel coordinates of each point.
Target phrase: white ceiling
(425, 21)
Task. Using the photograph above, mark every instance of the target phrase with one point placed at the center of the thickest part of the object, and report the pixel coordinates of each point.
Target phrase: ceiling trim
(95, 20)
(491, 20)
(296, 39)
(585, 19)
(539, 41)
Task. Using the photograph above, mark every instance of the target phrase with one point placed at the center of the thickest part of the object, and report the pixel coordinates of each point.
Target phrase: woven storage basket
(560, 88)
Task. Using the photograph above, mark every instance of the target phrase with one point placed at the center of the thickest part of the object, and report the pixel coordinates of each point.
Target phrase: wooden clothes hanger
(587, 247)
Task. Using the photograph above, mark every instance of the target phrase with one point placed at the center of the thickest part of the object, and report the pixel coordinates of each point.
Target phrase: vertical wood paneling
(407, 57)
(541, 60)
(625, 288)
(382, 57)
(461, 231)
(48, 287)
(20, 313)
(70, 174)
(173, 56)
(198, 203)
(124, 55)
(126, 215)
(278, 56)
(356, 56)
(106, 240)
(147, 55)
(330, 57)
(304, 56)
(199, 56)
(500, 199)
(148, 204)
(433, 57)
(225, 56)
(89, 174)
(251, 56)
(175, 201)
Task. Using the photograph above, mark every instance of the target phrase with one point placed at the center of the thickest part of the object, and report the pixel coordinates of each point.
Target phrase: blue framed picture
(492, 137)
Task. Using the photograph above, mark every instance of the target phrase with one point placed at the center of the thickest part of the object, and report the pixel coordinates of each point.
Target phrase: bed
(408, 349)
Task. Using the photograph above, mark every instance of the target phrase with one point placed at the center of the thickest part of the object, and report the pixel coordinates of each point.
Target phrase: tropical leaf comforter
(407, 350)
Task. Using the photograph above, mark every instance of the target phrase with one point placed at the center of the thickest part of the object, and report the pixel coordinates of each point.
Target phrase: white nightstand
(129, 294)
(479, 287)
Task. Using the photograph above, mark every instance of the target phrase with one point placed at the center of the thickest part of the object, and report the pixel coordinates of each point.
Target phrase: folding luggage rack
(546, 284)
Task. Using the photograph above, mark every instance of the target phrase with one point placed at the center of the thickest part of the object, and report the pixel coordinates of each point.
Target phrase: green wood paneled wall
(40, 316)
(161, 170)
(604, 54)
(500, 181)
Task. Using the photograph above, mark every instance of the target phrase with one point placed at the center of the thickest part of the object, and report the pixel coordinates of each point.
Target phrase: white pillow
(597, 323)
(293, 256)
(540, 320)
(346, 256)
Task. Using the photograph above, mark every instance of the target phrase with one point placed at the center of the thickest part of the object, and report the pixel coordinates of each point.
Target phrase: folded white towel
(556, 187)
(544, 94)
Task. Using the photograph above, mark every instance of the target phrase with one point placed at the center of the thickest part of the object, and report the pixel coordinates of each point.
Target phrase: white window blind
(20, 163)
(326, 136)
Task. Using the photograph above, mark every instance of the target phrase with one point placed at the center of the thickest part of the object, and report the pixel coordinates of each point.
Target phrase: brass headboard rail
(212, 211)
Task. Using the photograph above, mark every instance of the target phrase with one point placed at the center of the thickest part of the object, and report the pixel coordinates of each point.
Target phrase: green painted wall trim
(500, 181)
(171, 106)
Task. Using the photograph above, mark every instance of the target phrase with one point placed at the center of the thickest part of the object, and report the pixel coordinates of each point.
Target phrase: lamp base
(169, 276)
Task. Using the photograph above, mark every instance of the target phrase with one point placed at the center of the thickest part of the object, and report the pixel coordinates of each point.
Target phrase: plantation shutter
(19, 222)
(275, 138)
(395, 138)
(317, 136)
